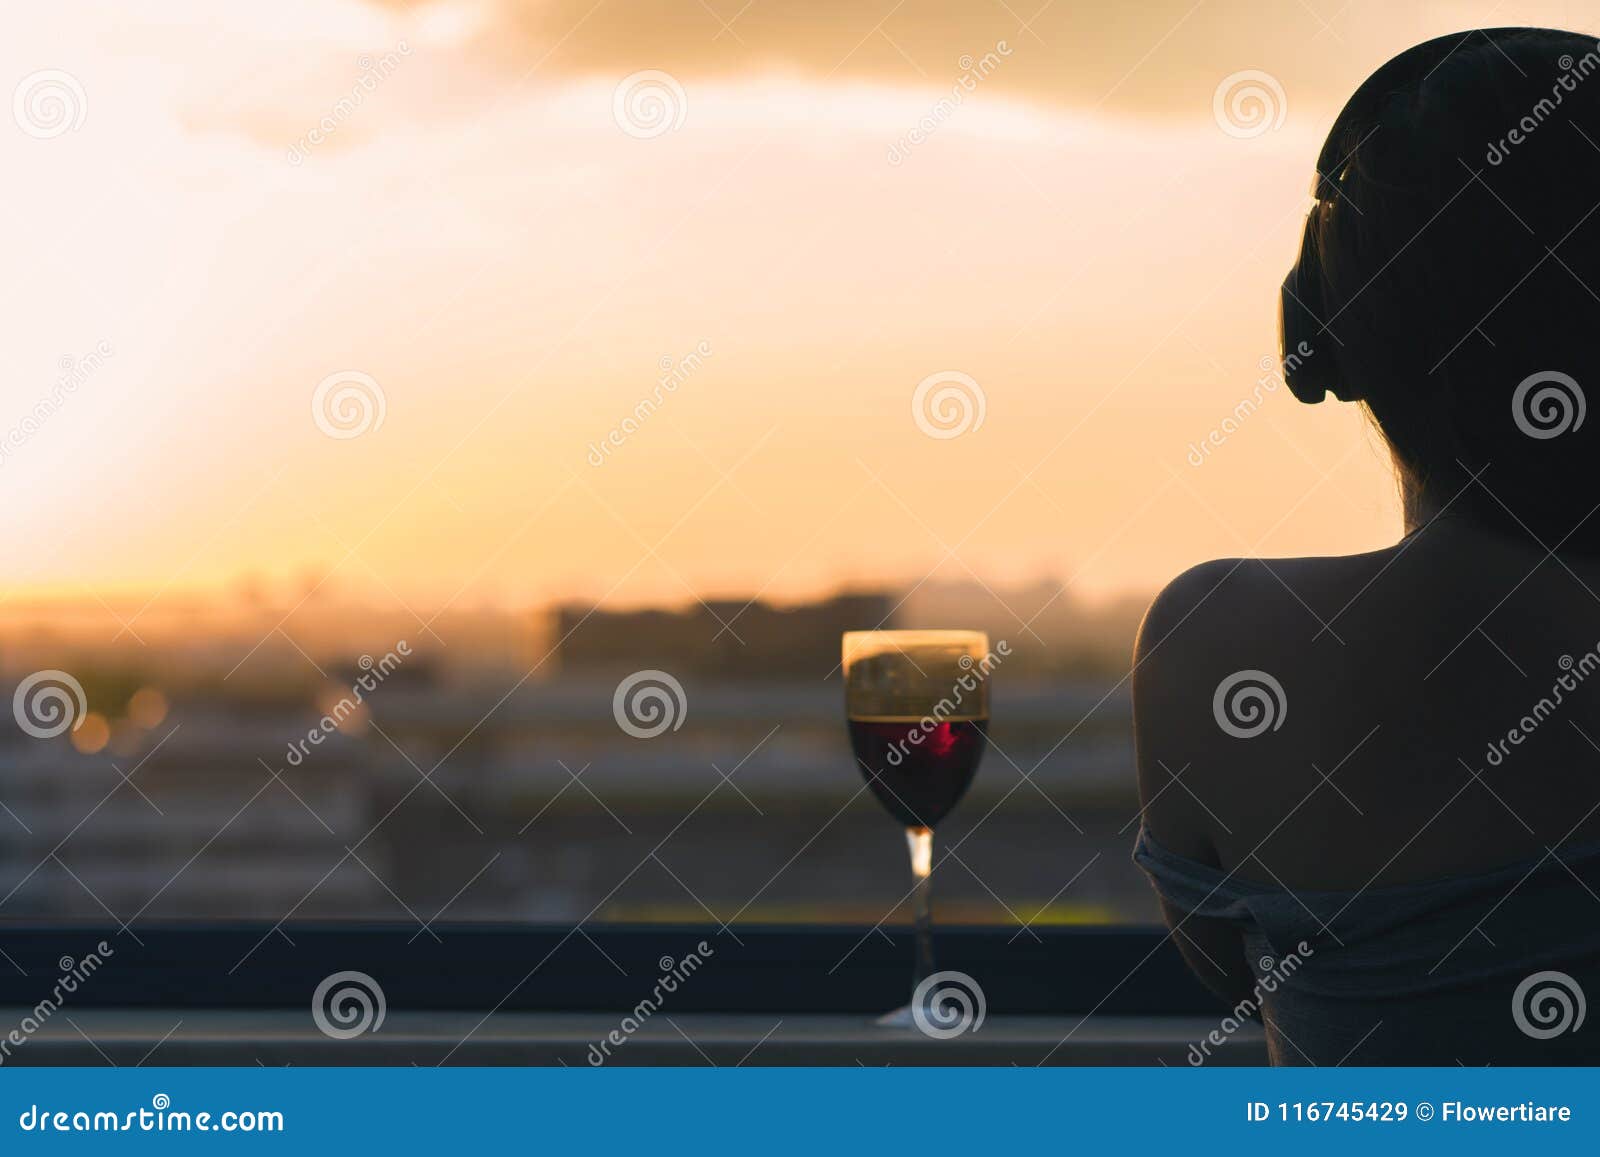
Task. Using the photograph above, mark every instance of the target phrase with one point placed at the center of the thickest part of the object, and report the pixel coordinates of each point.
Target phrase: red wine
(918, 782)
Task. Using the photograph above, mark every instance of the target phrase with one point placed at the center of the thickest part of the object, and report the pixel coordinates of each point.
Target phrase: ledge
(153, 1036)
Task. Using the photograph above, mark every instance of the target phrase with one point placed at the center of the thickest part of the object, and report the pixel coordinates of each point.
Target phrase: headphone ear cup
(1309, 371)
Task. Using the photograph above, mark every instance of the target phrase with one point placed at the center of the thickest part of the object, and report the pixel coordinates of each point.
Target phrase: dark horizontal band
(796, 968)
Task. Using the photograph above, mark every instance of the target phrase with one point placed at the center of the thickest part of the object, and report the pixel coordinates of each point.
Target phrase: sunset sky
(490, 238)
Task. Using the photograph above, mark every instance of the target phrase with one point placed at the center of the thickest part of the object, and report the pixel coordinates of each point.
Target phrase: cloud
(1153, 59)
(1157, 56)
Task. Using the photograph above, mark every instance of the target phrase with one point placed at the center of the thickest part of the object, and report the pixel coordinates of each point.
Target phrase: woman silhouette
(1371, 783)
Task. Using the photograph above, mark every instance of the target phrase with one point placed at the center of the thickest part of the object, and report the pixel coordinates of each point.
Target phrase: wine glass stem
(920, 841)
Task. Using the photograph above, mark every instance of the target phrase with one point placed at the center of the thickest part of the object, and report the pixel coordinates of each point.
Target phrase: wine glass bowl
(917, 704)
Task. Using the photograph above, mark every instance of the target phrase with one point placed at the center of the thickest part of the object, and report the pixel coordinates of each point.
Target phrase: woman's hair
(1459, 244)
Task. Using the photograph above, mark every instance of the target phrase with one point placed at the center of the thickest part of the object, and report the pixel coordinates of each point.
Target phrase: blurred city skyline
(490, 769)
(329, 623)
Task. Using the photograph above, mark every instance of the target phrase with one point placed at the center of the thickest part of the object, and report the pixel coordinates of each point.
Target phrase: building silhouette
(740, 640)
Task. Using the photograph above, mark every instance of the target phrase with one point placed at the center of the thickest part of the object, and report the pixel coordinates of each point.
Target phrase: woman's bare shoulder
(1224, 604)
(1318, 714)
(1234, 650)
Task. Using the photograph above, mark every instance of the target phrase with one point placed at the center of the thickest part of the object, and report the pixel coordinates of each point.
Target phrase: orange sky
(489, 237)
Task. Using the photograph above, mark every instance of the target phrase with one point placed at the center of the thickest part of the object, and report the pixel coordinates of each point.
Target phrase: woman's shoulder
(1242, 669)
(1330, 630)
(1230, 604)
(1426, 588)
(1333, 709)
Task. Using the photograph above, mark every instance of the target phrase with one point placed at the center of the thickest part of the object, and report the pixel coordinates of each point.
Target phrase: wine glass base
(899, 1018)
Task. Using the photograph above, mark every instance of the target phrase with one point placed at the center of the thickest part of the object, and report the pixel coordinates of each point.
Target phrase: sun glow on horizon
(507, 267)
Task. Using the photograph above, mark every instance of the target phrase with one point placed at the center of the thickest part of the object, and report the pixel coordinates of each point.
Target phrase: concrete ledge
(99, 1036)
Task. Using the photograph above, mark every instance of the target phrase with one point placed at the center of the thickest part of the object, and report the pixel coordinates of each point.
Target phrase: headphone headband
(1310, 370)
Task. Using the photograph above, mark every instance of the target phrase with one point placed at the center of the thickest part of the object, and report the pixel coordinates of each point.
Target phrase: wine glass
(918, 709)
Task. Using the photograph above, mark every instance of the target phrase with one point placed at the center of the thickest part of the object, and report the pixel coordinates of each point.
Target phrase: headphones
(1310, 364)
